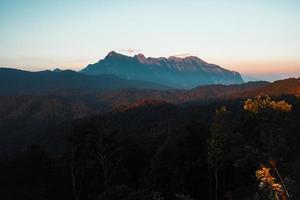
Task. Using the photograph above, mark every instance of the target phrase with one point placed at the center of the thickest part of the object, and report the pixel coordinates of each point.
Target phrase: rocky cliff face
(175, 72)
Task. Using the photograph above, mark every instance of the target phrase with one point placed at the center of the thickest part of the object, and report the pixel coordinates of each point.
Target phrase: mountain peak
(112, 53)
(115, 56)
(188, 58)
(141, 58)
(57, 70)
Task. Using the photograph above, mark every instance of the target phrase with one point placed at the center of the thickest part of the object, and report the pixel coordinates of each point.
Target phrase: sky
(260, 38)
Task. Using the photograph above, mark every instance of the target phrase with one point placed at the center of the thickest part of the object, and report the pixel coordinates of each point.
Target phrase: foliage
(259, 104)
(267, 180)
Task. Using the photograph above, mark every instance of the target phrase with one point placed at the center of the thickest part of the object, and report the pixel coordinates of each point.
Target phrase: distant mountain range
(16, 82)
(78, 105)
(183, 73)
(111, 91)
(117, 71)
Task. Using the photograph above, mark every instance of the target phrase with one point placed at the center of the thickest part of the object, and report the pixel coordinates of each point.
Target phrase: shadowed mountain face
(175, 72)
(14, 82)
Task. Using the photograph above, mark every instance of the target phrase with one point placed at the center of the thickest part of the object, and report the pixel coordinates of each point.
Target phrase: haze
(259, 37)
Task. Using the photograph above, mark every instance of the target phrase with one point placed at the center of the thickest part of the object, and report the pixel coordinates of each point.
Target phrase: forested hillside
(158, 150)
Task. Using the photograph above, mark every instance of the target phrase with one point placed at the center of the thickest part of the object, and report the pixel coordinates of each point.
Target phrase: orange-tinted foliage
(266, 179)
(259, 104)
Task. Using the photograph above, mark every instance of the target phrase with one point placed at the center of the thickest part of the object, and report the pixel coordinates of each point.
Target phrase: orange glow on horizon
(251, 67)
(263, 67)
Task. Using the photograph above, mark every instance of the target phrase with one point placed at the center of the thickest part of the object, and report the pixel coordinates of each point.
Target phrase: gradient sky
(256, 37)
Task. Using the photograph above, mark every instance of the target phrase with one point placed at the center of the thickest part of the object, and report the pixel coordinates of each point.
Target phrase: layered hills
(19, 82)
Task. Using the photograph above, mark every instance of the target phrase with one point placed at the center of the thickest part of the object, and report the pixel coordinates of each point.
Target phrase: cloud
(183, 55)
(130, 51)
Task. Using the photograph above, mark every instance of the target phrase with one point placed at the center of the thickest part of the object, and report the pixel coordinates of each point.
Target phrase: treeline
(163, 151)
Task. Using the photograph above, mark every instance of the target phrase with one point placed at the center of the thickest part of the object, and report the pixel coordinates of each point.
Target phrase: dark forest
(158, 150)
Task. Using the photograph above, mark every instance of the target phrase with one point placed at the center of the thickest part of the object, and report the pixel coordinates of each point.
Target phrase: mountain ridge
(15, 81)
(176, 72)
(88, 103)
(36, 119)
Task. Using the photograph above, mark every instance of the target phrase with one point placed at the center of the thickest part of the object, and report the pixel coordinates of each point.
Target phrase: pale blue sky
(254, 37)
